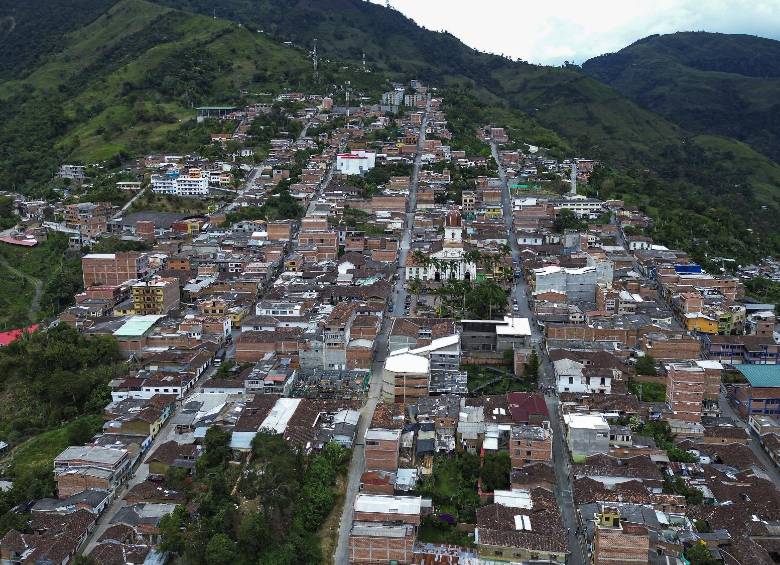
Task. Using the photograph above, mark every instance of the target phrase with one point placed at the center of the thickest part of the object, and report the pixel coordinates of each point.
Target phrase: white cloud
(552, 31)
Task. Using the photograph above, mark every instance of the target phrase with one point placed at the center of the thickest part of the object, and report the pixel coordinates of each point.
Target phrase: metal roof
(137, 325)
(762, 376)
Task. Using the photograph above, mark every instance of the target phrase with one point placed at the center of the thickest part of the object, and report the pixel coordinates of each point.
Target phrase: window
(571, 381)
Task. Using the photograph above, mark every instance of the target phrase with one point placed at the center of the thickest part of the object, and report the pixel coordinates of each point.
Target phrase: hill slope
(713, 83)
(121, 84)
(125, 83)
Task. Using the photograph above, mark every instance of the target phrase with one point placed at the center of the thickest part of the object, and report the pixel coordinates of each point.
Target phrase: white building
(356, 162)
(577, 284)
(570, 376)
(582, 207)
(194, 184)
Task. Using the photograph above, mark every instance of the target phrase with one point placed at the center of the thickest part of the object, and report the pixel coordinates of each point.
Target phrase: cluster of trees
(50, 377)
(664, 439)
(483, 299)
(47, 379)
(8, 217)
(272, 516)
(764, 290)
(278, 207)
(465, 115)
(359, 220)
(371, 182)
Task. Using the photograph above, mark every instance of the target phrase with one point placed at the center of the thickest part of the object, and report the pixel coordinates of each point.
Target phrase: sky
(553, 31)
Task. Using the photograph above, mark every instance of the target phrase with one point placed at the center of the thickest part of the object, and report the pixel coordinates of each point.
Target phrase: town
(358, 324)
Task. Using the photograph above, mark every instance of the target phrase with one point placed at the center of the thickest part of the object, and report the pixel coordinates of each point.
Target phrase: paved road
(141, 473)
(357, 464)
(399, 296)
(754, 445)
(561, 461)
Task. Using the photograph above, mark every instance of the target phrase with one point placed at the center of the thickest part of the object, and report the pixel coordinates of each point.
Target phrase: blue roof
(765, 376)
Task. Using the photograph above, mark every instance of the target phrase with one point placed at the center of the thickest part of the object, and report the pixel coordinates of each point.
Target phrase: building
(578, 284)
(405, 377)
(156, 296)
(79, 468)
(685, 391)
(381, 449)
(355, 162)
(193, 184)
(530, 444)
(573, 376)
(617, 542)
(522, 526)
(761, 394)
(373, 543)
(494, 335)
(113, 269)
(384, 509)
(586, 434)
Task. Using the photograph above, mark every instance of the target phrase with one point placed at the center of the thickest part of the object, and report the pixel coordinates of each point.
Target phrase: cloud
(553, 31)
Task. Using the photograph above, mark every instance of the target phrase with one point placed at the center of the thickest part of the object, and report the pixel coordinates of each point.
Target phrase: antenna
(364, 61)
(348, 89)
(315, 62)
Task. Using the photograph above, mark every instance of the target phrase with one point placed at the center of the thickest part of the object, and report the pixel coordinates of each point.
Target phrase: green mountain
(123, 81)
(713, 83)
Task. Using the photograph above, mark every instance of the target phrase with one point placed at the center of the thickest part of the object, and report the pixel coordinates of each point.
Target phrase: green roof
(761, 376)
(137, 326)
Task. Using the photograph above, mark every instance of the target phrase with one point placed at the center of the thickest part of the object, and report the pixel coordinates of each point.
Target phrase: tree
(531, 369)
(495, 471)
(645, 365)
(699, 554)
(486, 299)
(221, 550)
(565, 219)
(80, 432)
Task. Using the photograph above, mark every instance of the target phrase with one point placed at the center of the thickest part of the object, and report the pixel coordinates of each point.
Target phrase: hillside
(713, 83)
(125, 83)
(122, 84)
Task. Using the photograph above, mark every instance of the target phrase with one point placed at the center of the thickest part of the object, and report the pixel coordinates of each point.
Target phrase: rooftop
(761, 376)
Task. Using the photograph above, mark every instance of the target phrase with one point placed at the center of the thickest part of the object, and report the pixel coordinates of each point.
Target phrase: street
(357, 464)
(754, 445)
(561, 461)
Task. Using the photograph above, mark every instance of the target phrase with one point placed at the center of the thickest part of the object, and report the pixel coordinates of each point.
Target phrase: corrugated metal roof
(137, 325)
(764, 376)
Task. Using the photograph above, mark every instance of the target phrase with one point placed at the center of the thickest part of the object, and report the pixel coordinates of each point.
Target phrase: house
(761, 394)
(523, 528)
(530, 444)
(572, 376)
(171, 454)
(79, 468)
(586, 434)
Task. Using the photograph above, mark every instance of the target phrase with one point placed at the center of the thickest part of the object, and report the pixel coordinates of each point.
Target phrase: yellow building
(698, 322)
(156, 296)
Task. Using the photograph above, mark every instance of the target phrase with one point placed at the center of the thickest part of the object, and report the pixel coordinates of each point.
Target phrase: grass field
(40, 450)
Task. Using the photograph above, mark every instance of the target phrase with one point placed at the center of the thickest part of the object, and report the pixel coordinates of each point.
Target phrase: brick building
(530, 444)
(113, 268)
(381, 450)
(156, 296)
(685, 391)
(617, 542)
